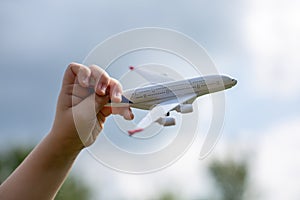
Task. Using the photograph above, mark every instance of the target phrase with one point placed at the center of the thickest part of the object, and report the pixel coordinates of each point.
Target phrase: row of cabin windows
(193, 85)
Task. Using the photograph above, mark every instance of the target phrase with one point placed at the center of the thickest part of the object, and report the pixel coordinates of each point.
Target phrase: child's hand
(80, 115)
(80, 112)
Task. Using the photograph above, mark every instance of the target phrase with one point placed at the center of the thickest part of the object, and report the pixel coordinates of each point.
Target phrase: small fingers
(106, 111)
(100, 101)
(79, 71)
(102, 114)
(123, 111)
(103, 83)
(101, 120)
(115, 91)
(101, 79)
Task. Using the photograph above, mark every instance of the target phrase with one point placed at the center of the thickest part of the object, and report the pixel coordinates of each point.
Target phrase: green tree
(72, 189)
(230, 177)
(168, 196)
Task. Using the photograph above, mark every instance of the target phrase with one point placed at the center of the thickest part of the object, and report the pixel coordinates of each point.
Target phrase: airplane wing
(151, 76)
(160, 110)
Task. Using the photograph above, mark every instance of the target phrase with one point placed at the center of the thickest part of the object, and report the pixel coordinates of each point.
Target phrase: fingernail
(102, 88)
(127, 116)
(86, 81)
(119, 95)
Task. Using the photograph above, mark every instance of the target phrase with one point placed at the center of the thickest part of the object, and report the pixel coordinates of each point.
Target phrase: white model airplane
(165, 95)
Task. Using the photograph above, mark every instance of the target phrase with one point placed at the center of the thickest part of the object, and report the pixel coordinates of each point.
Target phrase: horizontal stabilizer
(131, 132)
(150, 76)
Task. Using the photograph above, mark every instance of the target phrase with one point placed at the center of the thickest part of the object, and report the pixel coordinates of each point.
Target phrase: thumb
(100, 101)
(85, 117)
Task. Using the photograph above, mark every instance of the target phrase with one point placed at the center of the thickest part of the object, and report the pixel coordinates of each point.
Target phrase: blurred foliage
(230, 177)
(72, 189)
(10, 160)
(167, 196)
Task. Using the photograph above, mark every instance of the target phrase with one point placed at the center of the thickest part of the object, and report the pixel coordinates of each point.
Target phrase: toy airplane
(165, 95)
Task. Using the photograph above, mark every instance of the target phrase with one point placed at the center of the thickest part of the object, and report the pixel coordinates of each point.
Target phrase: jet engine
(184, 108)
(166, 121)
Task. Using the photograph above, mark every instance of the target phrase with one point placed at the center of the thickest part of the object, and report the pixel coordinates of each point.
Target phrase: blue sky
(253, 41)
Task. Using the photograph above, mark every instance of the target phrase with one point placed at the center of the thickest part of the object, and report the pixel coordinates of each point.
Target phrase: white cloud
(271, 31)
(186, 178)
(272, 155)
(275, 168)
(273, 158)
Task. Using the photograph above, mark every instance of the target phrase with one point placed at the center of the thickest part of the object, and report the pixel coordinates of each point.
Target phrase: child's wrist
(68, 144)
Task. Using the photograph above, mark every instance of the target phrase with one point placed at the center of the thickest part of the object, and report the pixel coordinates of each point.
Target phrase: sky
(254, 41)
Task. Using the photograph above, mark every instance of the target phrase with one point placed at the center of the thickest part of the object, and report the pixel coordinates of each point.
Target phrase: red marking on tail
(131, 67)
(131, 132)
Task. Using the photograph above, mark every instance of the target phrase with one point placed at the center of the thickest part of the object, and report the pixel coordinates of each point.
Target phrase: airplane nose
(234, 82)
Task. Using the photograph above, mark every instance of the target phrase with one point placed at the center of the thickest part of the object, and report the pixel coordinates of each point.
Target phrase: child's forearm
(43, 171)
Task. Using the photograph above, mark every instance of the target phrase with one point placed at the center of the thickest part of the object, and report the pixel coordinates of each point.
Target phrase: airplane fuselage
(148, 96)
